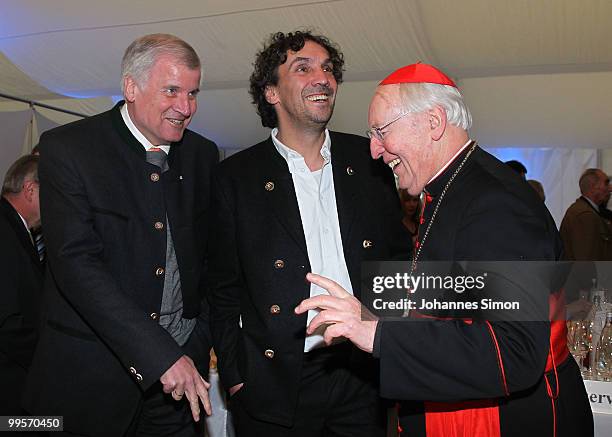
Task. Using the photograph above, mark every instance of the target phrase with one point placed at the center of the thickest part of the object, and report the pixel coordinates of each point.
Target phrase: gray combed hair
(589, 179)
(420, 97)
(23, 170)
(141, 55)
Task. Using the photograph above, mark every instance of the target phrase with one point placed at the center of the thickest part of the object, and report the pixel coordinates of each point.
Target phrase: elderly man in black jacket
(125, 200)
(456, 376)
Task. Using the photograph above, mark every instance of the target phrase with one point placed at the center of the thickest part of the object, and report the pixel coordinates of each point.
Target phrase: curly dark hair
(274, 54)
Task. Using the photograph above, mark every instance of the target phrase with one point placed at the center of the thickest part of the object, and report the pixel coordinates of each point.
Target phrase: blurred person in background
(537, 186)
(411, 205)
(21, 273)
(587, 236)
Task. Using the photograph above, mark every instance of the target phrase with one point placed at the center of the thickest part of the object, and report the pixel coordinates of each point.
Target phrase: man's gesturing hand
(343, 313)
(182, 378)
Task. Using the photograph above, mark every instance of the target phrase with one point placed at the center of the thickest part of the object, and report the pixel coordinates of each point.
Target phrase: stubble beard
(318, 120)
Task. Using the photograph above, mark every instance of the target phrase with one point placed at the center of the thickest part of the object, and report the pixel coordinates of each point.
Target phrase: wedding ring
(176, 396)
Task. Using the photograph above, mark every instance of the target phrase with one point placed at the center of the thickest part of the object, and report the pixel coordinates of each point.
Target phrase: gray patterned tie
(158, 157)
(39, 242)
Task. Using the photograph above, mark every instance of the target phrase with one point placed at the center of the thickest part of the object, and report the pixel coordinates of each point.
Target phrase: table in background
(600, 397)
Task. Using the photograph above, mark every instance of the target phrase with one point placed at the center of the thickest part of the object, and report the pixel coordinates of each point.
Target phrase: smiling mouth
(318, 98)
(393, 163)
(176, 122)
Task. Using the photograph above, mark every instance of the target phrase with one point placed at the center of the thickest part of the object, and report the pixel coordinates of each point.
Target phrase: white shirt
(316, 199)
(139, 136)
(27, 229)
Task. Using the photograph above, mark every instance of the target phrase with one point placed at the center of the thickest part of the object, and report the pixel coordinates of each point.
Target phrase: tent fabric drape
(557, 169)
(12, 138)
(30, 138)
(534, 73)
(22, 126)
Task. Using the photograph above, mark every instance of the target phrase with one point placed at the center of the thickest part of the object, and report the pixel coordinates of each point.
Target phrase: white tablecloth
(603, 424)
(600, 397)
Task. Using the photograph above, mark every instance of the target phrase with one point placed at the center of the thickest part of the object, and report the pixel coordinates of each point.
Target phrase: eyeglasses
(377, 132)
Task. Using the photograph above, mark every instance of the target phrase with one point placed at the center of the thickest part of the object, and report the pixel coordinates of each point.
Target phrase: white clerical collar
(291, 155)
(593, 204)
(139, 136)
(449, 162)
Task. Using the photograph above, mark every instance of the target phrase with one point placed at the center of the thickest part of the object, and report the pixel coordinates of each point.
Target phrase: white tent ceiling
(535, 73)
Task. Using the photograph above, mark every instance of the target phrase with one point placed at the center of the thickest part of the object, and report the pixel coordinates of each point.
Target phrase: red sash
(481, 418)
(462, 419)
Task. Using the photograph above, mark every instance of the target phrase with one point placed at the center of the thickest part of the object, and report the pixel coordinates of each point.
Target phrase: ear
(28, 190)
(129, 89)
(271, 95)
(437, 122)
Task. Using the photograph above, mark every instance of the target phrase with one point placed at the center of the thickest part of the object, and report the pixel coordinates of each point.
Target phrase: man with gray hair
(125, 198)
(452, 375)
(586, 234)
(22, 277)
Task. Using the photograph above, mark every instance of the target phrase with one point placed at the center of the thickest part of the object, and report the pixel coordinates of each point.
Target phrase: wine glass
(579, 335)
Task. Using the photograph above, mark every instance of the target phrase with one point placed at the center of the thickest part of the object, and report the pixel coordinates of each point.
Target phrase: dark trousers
(334, 400)
(13, 377)
(159, 415)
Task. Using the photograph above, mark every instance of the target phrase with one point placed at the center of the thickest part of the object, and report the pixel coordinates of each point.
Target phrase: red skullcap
(418, 73)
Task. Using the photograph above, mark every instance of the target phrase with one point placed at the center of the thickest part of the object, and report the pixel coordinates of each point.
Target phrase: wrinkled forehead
(171, 65)
(387, 94)
(386, 99)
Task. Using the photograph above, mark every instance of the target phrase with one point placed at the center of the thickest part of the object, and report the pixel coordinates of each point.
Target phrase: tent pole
(42, 105)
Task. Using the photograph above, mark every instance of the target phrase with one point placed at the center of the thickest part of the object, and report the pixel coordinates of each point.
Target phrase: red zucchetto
(418, 73)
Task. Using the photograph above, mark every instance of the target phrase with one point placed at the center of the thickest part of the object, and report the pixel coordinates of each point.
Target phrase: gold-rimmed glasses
(377, 132)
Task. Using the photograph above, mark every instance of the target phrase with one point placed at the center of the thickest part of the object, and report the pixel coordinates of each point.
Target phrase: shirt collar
(593, 204)
(450, 161)
(137, 134)
(291, 156)
(25, 224)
